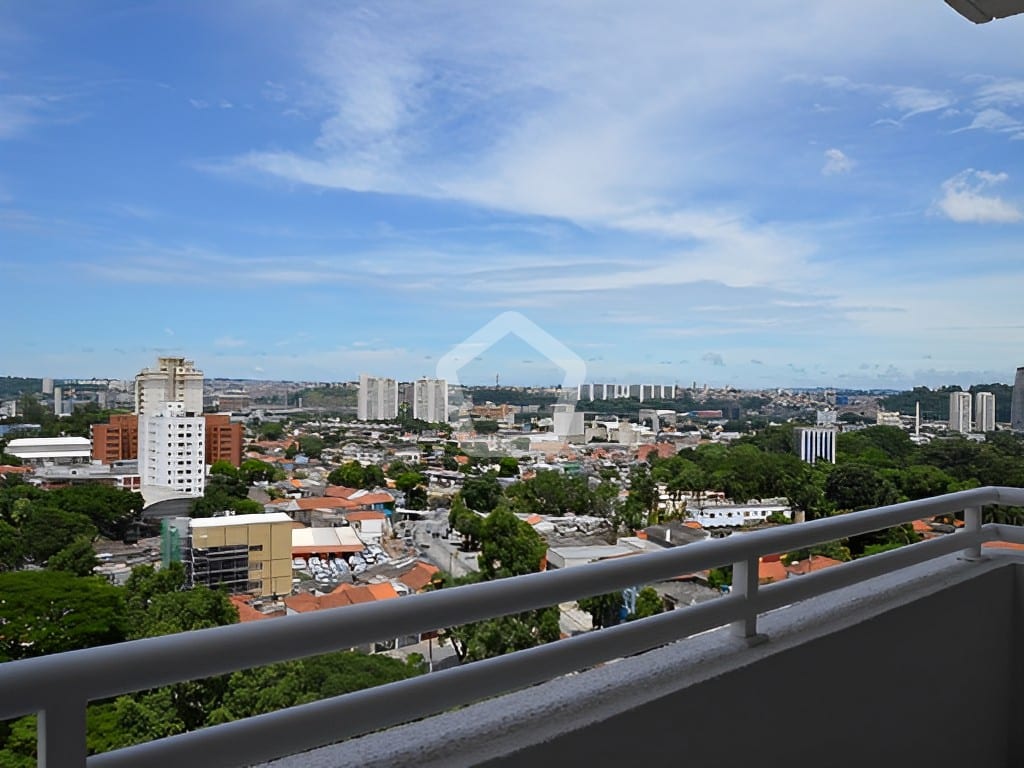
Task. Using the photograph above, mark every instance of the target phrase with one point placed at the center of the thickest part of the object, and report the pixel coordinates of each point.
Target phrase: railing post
(972, 524)
(744, 582)
(60, 735)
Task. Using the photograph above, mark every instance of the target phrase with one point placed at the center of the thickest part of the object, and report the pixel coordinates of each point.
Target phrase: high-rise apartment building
(1017, 403)
(175, 456)
(172, 431)
(117, 440)
(378, 399)
(816, 444)
(960, 412)
(223, 439)
(430, 400)
(984, 412)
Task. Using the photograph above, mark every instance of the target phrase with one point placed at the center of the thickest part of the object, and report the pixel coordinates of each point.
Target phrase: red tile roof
(344, 595)
(769, 571)
(419, 576)
(246, 612)
(814, 563)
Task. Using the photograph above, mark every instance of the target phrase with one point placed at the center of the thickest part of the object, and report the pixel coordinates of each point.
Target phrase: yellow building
(245, 553)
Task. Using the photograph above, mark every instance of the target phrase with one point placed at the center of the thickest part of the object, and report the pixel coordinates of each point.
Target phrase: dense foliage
(46, 612)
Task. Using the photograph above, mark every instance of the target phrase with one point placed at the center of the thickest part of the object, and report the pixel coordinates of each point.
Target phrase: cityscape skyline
(793, 196)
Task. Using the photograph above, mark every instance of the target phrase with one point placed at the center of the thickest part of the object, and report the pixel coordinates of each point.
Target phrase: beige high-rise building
(249, 554)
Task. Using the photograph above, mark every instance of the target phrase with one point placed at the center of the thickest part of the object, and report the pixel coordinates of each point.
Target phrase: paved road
(440, 551)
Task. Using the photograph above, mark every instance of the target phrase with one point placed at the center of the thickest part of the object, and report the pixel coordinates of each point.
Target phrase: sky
(789, 194)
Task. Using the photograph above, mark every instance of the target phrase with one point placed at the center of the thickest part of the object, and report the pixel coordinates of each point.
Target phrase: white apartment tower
(816, 444)
(984, 412)
(960, 412)
(378, 399)
(430, 400)
(176, 450)
(172, 438)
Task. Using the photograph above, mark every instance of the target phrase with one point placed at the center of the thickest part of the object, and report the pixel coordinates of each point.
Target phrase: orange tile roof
(815, 563)
(245, 611)
(321, 502)
(462, 459)
(295, 483)
(344, 595)
(419, 576)
(769, 571)
(693, 524)
(383, 591)
(534, 519)
(920, 526)
(10, 469)
(1003, 545)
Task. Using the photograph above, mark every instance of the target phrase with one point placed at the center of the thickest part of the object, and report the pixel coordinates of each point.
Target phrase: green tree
(47, 530)
(271, 430)
(349, 475)
(12, 551)
(859, 486)
(481, 493)
(311, 446)
(486, 426)
(44, 612)
(509, 546)
(224, 468)
(508, 466)
(78, 558)
(643, 492)
(648, 603)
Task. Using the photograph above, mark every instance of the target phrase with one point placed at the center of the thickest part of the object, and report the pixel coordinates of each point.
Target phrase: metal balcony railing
(58, 687)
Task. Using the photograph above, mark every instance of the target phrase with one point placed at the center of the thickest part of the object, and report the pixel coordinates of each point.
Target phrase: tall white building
(172, 438)
(378, 399)
(816, 444)
(984, 412)
(430, 400)
(960, 412)
(176, 457)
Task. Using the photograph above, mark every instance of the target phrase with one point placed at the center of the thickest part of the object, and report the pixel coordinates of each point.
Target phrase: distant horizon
(511, 385)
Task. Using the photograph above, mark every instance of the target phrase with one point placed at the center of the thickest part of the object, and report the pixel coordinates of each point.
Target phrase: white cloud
(964, 199)
(19, 112)
(229, 342)
(1002, 93)
(836, 163)
(994, 120)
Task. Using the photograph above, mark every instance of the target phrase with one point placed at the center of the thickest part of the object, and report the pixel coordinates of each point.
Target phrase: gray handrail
(60, 685)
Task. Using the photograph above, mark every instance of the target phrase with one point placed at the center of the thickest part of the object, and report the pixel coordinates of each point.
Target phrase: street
(428, 539)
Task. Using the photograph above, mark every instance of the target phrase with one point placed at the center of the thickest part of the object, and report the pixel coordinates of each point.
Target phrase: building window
(256, 548)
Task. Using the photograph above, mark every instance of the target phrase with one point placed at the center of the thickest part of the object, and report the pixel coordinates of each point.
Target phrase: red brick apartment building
(118, 439)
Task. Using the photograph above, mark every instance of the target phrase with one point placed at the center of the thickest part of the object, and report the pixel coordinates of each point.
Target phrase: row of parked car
(369, 557)
(327, 570)
(324, 571)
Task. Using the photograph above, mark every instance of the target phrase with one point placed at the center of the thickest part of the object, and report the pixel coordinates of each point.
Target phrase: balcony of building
(903, 658)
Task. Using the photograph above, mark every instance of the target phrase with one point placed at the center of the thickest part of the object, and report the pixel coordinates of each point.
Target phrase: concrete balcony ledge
(916, 667)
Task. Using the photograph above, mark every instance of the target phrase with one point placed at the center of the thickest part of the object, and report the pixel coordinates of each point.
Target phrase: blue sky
(788, 194)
